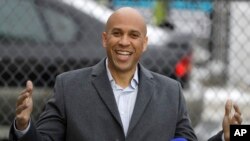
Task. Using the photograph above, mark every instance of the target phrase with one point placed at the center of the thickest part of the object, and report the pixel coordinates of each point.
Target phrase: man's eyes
(116, 33)
(134, 35)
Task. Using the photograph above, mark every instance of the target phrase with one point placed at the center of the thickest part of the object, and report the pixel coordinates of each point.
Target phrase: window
(19, 21)
(62, 27)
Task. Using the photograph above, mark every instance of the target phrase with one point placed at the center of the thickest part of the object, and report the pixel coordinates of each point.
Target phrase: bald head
(127, 14)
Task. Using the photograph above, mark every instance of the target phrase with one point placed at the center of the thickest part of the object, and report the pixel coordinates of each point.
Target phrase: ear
(104, 39)
(145, 44)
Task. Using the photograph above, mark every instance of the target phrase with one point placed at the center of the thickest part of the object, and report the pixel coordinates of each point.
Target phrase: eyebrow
(135, 31)
(130, 31)
(114, 29)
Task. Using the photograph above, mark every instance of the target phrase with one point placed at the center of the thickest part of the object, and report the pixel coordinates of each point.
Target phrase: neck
(122, 79)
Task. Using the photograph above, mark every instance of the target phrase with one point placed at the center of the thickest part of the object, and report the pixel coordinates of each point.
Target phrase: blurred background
(204, 44)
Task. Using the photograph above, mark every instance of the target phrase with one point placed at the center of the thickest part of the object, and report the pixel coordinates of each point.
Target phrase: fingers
(25, 94)
(228, 107)
(24, 106)
(29, 86)
(20, 108)
(234, 118)
(237, 118)
(237, 109)
(22, 98)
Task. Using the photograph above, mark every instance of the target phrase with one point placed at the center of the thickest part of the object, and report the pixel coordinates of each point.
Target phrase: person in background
(115, 100)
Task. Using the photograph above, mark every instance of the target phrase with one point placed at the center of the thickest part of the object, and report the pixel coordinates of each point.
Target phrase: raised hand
(230, 119)
(24, 106)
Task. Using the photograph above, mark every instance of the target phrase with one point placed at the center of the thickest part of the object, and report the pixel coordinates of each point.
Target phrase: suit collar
(145, 91)
(101, 83)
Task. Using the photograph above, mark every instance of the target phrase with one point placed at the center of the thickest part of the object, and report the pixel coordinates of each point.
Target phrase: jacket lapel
(145, 91)
(101, 83)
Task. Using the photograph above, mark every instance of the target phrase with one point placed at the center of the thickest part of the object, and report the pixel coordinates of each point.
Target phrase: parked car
(40, 39)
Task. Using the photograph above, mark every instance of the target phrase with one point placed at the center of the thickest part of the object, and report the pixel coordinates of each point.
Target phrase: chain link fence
(40, 39)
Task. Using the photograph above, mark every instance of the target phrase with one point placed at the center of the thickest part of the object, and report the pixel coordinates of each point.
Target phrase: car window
(19, 21)
(63, 27)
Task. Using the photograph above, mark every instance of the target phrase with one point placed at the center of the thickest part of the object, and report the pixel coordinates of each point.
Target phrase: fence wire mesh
(206, 40)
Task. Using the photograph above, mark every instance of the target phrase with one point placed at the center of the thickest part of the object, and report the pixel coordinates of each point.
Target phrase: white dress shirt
(125, 98)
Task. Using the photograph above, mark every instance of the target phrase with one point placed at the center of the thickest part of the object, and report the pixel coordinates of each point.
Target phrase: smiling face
(124, 39)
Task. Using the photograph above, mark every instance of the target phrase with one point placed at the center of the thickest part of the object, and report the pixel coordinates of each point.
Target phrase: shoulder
(166, 82)
(85, 73)
(163, 78)
(74, 75)
(159, 78)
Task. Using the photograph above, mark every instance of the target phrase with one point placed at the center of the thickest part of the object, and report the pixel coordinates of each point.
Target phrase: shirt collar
(134, 82)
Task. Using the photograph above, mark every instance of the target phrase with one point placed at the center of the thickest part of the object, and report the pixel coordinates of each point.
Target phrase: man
(115, 100)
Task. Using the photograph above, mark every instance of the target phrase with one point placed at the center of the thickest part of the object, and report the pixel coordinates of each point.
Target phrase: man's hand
(230, 119)
(24, 106)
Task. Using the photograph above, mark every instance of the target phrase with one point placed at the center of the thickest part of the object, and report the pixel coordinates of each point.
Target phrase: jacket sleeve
(29, 136)
(183, 126)
(217, 137)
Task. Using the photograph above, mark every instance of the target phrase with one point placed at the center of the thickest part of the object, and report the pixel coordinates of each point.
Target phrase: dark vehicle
(40, 39)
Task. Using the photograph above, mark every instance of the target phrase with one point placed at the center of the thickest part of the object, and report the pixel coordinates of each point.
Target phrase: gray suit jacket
(83, 108)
